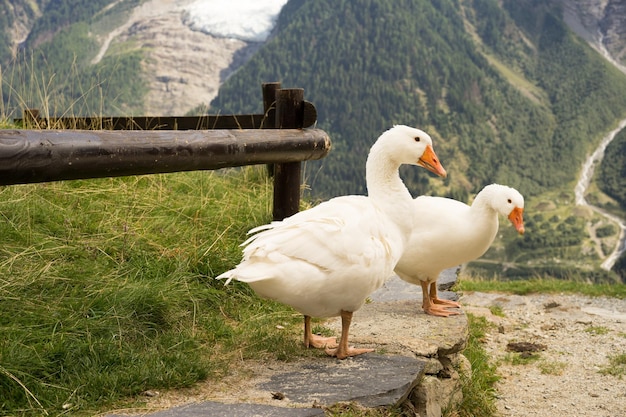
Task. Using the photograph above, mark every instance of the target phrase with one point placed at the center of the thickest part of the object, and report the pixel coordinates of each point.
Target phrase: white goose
(326, 260)
(447, 233)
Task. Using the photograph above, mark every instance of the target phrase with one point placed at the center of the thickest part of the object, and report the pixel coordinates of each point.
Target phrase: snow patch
(247, 20)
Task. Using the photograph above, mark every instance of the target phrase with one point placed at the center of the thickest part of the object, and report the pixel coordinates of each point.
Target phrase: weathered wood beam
(28, 156)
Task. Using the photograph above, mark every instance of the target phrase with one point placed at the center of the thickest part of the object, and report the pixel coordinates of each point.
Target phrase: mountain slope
(52, 71)
(508, 92)
(140, 57)
(600, 22)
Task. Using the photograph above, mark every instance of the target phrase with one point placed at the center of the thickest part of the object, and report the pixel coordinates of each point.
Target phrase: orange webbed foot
(439, 311)
(321, 342)
(345, 353)
(447, 303)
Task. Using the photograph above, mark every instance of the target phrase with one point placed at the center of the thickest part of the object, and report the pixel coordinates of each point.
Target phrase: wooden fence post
(269, 104)
(269, 115)
(289, 115)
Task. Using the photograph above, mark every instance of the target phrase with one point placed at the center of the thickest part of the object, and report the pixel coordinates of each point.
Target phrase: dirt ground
(574, 337)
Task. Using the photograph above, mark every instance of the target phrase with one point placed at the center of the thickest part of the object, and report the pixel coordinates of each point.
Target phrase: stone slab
(371, 380)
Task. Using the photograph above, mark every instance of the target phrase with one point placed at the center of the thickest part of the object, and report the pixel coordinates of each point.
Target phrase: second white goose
(447, 233)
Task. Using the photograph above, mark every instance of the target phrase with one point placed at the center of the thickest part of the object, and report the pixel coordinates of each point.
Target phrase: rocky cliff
(18, 18)
(601, 22)
(184, 68)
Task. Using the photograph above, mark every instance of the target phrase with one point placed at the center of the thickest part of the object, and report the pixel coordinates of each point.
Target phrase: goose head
(407, 145)
(508, 202)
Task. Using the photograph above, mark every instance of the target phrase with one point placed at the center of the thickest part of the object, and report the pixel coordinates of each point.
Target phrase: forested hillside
(508, 92)
(612, 175)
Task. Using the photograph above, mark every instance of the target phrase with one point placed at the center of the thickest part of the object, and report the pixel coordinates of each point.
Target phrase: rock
(326, 382)
(436, 340)
(432, 366)
(447, 279)
(396, 290)
(413, 332)
(434, 395)
(185, 68)
(525, 347)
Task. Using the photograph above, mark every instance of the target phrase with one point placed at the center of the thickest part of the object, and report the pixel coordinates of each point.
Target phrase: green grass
(597, 330)
(541, 285)
(497, 310)
(478, 388)
(106, 289)
(617, 366)
(552, 368)
(519, 359)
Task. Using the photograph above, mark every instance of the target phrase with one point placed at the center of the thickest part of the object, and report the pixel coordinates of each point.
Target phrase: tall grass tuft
(107, 289)
(478, 387)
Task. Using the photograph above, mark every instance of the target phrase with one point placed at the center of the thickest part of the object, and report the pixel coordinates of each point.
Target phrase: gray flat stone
(215, 409)
(371, 380)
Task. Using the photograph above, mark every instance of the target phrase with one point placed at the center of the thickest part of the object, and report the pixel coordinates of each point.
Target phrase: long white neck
(386, 189)
(483, 211)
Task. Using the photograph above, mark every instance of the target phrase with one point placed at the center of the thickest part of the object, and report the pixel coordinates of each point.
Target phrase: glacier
(246, 20)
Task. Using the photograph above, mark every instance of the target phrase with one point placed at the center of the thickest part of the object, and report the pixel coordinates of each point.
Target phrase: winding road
(588, 167)
(583, 183)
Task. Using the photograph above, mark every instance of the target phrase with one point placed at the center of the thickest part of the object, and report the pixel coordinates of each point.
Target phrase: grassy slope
(106, 288)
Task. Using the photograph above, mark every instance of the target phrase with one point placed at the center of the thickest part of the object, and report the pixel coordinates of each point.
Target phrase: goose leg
(431, 308)
(437, 300)
(343, 350)
(316, 341)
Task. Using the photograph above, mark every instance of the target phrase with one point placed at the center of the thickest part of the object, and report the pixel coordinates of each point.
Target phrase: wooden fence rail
(276, 137)
(28, 156)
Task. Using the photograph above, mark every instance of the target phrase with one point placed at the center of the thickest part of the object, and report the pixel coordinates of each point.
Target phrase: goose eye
(417, 138)
(509, 201)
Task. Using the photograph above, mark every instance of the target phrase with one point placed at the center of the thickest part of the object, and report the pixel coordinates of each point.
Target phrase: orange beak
(517, 218)
(430, 161)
